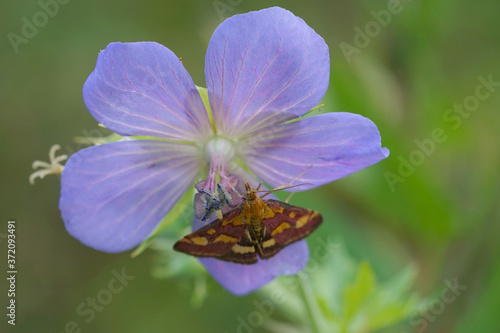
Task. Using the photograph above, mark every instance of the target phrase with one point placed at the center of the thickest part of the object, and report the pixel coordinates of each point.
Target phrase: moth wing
(289, 224)
(243, 252)
(222, 239)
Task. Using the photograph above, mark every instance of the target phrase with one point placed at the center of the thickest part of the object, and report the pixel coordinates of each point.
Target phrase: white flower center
(219, 151)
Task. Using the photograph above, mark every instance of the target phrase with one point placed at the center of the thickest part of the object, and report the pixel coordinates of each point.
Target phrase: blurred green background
(439, 217)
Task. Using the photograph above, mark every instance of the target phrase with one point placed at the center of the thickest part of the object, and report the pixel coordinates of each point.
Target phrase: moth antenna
(289, 197)
(289, 185)
(300, 174)
(282, 187)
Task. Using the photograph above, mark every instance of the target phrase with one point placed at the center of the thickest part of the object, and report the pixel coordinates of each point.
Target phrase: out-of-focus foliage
(348, 297)
(405, 240)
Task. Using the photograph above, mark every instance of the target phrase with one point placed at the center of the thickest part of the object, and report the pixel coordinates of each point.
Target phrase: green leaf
(389, 303)
(333, 275)
(358, 292)
(288, 289)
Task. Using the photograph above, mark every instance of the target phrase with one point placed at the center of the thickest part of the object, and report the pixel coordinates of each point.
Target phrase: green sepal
(206, 102)
(308, 113)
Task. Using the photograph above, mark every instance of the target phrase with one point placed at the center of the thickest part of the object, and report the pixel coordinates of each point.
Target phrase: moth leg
(232, 187)
(248, 235)
(259, 249)
(254, 240)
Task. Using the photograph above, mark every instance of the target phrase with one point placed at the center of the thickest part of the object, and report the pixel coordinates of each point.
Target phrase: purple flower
(263, 69)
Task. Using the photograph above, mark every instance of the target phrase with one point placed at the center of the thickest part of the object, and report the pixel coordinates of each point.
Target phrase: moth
(255, 228)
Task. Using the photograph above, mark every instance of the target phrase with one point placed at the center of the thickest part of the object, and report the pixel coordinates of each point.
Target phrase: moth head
(251, 193)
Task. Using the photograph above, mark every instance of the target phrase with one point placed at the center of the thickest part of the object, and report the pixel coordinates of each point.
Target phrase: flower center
(219, 152)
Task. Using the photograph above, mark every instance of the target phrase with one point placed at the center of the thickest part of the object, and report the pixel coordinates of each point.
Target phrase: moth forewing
(215, 239)
(290, 223)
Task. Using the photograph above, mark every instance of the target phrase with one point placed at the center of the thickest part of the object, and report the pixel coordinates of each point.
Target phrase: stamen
(53, 167)
(87, 140)
(215, 190)
(219, 152)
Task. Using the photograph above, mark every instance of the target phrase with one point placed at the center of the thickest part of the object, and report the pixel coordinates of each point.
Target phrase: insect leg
(232, 187)
(254, 240)
(248, 235)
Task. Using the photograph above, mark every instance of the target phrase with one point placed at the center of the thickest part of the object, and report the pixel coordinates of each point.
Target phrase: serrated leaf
(399, 284)
(391, 314)
(390, 303)
(333, 275)
(287, 286)
(358, 292)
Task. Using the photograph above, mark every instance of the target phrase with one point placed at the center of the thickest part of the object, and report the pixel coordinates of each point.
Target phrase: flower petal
(263, 68)
(143, 89)
(242, 279)
(334, 144)
(113, 195)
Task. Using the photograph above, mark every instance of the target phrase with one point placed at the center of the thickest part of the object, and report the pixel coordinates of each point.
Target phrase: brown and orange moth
(255, 228)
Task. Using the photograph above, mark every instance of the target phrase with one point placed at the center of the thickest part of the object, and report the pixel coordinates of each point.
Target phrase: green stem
(310, 304)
